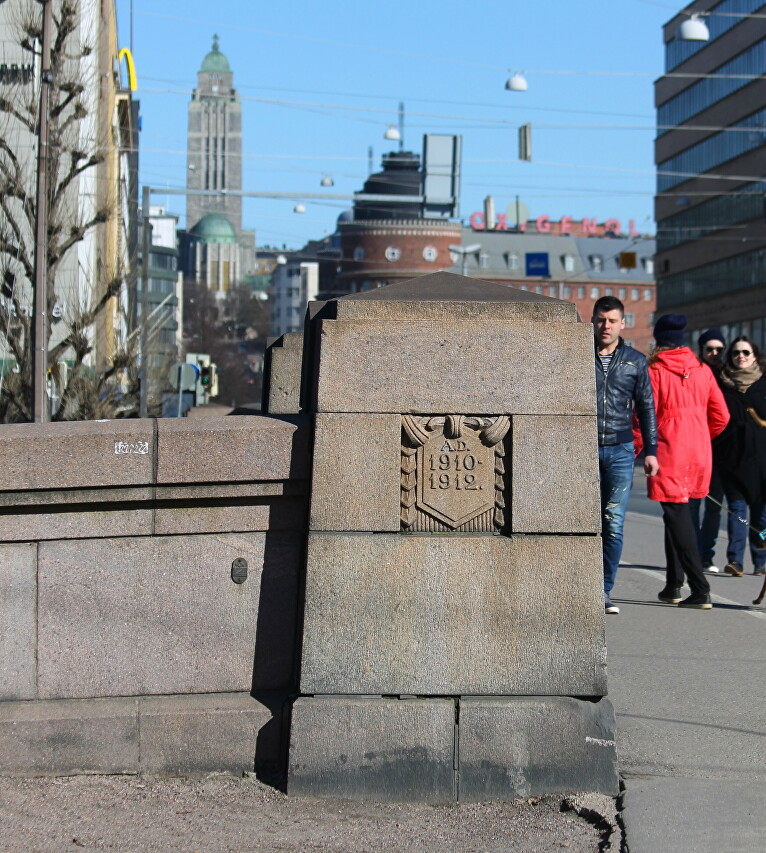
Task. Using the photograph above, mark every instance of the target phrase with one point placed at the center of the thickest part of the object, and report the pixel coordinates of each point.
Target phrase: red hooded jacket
(690, 412)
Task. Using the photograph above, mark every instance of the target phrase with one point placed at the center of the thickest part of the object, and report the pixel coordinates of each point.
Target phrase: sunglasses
(743, 352)
(713, 349)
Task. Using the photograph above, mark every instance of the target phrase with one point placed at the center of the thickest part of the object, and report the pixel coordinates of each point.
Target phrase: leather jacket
(625, 387)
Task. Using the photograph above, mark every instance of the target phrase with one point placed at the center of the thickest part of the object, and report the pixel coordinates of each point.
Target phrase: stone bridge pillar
(453, 640)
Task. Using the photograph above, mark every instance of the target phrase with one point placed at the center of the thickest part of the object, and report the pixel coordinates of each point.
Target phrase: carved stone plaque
(453, 473)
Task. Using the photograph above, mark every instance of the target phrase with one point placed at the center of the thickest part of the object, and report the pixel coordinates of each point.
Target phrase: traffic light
(205, 375)
(525, 142)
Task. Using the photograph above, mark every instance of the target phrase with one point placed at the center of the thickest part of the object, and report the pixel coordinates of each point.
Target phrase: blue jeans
(738, 532)
(615, 465)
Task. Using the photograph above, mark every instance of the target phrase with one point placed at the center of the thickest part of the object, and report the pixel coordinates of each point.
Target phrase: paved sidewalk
(688, 689)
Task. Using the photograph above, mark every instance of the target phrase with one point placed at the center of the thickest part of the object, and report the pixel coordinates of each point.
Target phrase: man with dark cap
(622, 385)
(711, 345)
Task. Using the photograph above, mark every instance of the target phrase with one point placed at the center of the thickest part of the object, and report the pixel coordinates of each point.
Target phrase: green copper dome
(214, 228)
(215, 62)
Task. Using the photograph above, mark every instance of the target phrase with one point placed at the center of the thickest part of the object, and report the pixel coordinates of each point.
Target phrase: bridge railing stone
(123, 616)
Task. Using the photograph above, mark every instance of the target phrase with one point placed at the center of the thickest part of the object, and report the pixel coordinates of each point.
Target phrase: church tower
(214, 248)
(215, 142)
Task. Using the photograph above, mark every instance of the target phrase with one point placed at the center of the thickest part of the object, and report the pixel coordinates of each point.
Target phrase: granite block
(69, 737)
(200, 734)
(356, 477)
(513, 747)
(456, 367)
(453, 615)
(443, 287)
(125, 617)
(285, 368)
(68, 497)
(77, 522)
(230, 516)
(18, 621)
(76, 454)
(555, 481)
(358, 309)
(230, 449)
(387, 750)
(235, 491)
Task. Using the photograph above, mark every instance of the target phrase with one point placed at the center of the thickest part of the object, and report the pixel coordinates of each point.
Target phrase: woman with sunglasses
(742, 452)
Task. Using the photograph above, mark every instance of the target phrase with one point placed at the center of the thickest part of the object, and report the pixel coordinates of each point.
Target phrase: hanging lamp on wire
(516, 83)
(693, 29)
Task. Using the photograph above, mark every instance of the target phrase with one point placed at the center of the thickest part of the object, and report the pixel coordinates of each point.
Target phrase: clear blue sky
(320, 82)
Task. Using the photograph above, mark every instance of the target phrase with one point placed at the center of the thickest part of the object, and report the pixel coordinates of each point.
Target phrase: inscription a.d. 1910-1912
(452, 473)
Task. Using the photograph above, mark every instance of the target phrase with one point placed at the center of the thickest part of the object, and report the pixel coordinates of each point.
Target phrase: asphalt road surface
(689, 688)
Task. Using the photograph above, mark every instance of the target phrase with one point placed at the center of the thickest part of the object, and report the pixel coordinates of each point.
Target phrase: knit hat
(710, 335)
(669, 330)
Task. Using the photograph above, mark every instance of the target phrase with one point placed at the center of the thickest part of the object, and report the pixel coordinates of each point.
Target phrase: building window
(647, 295)
(594, 293)
(597, 262)
(581, 292)
(635, 294)
(359, 253)
(539, 289)
(648, 265)
(712, 151)
(430, 254)
(525, 287)
(552, 290)
(484, 260)
(608, 291)
(513, 261)
(622, 293)
(569, 263)
(566, 291)
(630, 321)
(393, 254)
(651, 319)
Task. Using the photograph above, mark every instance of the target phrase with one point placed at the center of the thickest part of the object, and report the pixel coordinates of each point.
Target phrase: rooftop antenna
(369, 160)
(401, 125)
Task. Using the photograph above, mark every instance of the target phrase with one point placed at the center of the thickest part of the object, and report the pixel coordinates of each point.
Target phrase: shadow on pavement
(642, 603)
(691, 723)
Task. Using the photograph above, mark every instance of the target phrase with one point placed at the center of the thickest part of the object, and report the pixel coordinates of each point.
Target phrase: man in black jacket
(622, 385)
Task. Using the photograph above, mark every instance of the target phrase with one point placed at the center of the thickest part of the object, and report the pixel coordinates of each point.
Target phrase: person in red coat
(690, 412)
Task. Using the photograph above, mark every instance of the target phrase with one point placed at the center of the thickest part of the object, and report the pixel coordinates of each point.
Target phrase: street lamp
(516, 83)
(693, 29)
(464, 251)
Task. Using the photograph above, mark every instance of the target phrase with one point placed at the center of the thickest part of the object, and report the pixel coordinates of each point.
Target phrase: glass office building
(710, 153)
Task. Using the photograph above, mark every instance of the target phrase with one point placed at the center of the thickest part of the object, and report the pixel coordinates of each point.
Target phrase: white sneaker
(711, 568)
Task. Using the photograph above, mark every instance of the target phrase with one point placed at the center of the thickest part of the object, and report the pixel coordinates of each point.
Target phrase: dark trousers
(707, 527)
(681, 550)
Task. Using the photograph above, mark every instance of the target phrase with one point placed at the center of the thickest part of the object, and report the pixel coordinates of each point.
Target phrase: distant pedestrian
(690, 412)
(622, 385)
(712, 345)
(742, 452)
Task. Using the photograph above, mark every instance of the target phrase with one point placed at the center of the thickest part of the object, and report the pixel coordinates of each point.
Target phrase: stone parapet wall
(123, 547)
